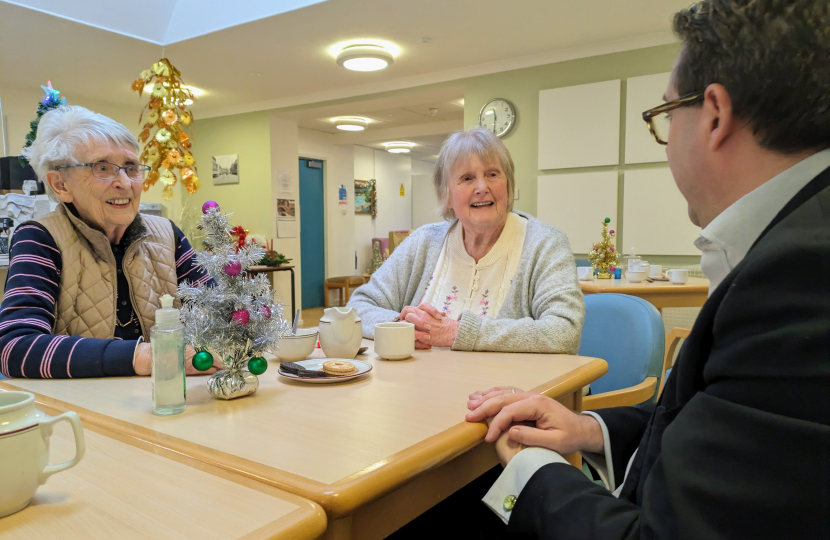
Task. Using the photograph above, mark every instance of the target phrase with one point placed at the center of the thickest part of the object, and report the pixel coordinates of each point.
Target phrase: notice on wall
(284, 184)
(287, 229)
(286, 210)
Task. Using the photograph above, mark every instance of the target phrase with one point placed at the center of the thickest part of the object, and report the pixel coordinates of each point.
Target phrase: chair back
(396, 238)
(628, 333)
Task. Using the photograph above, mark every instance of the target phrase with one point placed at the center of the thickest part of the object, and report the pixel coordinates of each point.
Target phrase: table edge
(307, 521)
(346, 495)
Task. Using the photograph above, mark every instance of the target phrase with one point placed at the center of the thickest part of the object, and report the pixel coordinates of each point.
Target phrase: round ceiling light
(398, 147)
(364, 57)
(351, 123)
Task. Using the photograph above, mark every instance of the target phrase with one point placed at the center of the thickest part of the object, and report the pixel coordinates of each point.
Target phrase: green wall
(248, 136)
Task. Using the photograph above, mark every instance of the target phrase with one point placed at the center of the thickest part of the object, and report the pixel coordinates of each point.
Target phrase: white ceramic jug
(341, 332)
(24, 449)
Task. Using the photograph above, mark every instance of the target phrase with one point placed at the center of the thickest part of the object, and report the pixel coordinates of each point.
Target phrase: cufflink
(509, 502)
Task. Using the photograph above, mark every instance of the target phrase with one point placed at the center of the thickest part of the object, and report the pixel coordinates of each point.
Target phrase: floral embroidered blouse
(460, 284)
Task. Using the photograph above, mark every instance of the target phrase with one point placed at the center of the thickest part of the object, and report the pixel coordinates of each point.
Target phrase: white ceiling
(291, 50)
(163, 21)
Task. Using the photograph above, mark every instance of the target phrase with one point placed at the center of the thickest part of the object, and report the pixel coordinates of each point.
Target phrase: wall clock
(498, 115)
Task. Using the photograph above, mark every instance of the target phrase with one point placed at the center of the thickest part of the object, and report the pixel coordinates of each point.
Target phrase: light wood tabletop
(661, 294)
(125, 488)
(374, 452)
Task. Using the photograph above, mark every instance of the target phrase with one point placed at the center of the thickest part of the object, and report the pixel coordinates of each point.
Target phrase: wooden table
(374, 452)
(661, 294)
(125, 488)
(262, 269)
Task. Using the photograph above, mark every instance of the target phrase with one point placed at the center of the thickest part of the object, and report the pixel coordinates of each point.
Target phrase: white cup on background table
(678, 276)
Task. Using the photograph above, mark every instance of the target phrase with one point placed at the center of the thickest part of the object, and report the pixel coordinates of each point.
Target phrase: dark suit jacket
(739, 444)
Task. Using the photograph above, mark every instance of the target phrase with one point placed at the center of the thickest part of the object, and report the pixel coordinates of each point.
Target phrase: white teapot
(24, 449)
(341, 332)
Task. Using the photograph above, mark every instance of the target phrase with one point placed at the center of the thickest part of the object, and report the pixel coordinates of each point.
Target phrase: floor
(311, 317)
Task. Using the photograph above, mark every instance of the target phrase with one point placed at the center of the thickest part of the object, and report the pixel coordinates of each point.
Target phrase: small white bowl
(299, 347)
(635, 277)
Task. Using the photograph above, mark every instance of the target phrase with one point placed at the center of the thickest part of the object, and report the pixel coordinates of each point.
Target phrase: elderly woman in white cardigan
(486, 279)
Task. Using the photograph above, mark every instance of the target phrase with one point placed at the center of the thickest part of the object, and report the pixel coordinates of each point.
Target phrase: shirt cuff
(602, 464)
(502, 496)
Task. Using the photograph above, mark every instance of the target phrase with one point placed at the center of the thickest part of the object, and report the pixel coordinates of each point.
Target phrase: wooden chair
(342, 283)
(627, 332)
(672, 341)
(396, 238)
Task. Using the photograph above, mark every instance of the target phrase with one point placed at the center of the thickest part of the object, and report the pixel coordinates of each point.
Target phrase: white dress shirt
(726, 240)
(724, 243)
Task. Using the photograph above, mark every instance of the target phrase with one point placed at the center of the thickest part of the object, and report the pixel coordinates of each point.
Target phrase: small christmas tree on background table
(237, 320)
(604, 256)
(52, 100)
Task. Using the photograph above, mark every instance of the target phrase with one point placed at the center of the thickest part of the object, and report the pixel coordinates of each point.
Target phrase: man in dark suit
(738, 446)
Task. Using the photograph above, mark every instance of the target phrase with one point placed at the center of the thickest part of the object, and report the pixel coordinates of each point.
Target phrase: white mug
(655, 270)
(24, 447)
(585, 273)
(394, 340)
(678, 275)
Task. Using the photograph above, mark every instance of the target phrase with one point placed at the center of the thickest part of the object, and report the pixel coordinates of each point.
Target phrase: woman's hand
(143, 362)
(423, 316)
(477, 398)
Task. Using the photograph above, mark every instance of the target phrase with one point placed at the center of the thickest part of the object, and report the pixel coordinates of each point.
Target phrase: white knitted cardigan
(542, 311)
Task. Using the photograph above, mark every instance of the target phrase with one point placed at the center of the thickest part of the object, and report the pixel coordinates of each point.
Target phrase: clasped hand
(518, 419)
(432, 327)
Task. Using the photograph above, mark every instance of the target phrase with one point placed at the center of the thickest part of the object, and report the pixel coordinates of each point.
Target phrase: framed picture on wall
(364, 197)
(225, 169)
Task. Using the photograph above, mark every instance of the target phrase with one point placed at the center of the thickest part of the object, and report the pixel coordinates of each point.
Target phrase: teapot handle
(46, 427)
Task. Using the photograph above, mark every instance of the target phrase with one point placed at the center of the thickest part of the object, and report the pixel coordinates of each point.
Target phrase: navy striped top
(27, 315)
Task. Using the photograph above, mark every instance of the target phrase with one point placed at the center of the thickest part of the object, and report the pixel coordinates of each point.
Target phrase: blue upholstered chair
(627, 332)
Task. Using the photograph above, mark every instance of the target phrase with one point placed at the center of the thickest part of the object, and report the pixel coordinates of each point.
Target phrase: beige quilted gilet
(86, 304)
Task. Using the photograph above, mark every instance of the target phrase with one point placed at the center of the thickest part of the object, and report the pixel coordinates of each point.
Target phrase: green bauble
(607, 220)
(202, 360)
(257, 365)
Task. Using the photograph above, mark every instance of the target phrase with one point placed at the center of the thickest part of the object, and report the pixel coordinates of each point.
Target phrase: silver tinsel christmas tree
(236, 320)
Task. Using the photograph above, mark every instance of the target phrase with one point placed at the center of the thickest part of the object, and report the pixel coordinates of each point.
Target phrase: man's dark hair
(772, 56)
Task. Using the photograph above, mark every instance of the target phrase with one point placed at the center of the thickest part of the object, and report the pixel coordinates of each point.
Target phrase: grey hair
(62, 131)
(460, 147)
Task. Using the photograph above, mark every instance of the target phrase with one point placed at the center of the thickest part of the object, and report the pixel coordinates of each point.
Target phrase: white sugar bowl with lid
(24, 447)
(341, 332)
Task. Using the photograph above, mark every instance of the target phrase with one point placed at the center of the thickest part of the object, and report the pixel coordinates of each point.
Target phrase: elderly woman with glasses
(486, 279)
(85, 280)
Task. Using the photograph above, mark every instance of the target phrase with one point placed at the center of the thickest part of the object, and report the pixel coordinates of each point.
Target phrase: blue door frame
(312, 232)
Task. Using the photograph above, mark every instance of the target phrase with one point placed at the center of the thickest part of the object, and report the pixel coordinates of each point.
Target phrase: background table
(262, 269)
(374, 452)
(121, 490)
(661, 294)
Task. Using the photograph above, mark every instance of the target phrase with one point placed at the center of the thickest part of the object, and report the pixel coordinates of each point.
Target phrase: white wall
(284, 156)
(338, 169)
(394, 210)
(364, 226)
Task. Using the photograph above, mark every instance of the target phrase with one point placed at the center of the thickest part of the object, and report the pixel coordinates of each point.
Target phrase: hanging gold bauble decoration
(166, 150)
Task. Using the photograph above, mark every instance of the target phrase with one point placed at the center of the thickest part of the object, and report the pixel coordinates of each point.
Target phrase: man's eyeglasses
(108, 171)
(658, 118)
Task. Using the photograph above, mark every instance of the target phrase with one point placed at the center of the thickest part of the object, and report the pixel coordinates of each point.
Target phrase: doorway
(312, 232)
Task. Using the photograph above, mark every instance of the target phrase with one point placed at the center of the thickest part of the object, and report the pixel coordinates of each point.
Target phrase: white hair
(460, 147)
(63, 131)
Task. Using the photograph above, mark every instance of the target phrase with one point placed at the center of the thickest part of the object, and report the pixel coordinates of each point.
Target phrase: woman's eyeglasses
(104, 170)
(658, 118)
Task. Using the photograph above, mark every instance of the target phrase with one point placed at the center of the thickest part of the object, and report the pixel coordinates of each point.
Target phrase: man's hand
(557, 428)
(143, 362)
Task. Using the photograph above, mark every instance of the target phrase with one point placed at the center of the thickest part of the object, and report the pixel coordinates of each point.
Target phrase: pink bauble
(208, 205)
(612, 232)
(611, 249)
(233, 268)
(241, 316)
(266, 312)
